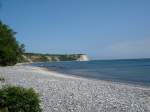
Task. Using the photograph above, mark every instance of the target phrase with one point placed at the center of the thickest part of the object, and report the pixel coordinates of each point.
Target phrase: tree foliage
(10, 50)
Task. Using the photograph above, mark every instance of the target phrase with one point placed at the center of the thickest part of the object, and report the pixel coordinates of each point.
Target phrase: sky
(103, 29)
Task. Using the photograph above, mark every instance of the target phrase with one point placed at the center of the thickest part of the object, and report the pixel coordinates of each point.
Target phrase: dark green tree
(10, 50)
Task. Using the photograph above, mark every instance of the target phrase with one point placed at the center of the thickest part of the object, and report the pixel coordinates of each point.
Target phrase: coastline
(70, 76)
(63, 93)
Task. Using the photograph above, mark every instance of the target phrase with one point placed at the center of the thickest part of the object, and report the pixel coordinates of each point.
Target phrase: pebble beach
(62, 93)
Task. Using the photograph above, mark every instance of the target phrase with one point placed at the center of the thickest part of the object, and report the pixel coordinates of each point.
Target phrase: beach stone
(59, 93)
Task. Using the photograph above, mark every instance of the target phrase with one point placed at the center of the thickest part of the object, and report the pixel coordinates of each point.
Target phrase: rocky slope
(35, 57)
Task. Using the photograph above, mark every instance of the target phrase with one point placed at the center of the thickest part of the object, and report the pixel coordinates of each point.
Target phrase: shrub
(19, 99)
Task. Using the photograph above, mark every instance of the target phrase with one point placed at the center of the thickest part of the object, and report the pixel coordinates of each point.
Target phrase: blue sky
(103, 29)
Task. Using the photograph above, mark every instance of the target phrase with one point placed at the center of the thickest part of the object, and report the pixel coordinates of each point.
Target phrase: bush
(18, 99)
(10, 50)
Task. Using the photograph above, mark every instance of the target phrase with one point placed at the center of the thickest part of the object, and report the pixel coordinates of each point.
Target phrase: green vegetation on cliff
(37, 57)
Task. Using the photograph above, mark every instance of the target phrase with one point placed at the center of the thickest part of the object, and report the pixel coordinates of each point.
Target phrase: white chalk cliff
(83, 57)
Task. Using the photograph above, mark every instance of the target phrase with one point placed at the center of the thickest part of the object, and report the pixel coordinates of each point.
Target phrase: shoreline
(63, 93)
(63, 75)
(125, 82)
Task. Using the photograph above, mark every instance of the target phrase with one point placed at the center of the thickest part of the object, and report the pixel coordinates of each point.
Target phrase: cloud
(128, 49)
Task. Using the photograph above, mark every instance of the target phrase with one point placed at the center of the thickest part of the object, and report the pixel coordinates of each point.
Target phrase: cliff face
(83, 57)
(34, 57)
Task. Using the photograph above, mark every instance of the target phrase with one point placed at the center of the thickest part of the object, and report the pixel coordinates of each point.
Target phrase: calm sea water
(131, 70)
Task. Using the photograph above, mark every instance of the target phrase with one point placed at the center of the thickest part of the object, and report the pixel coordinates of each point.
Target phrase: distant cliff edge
(37, 57)
(83, 57)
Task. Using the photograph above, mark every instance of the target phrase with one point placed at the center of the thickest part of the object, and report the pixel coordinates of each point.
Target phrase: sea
(135, 71)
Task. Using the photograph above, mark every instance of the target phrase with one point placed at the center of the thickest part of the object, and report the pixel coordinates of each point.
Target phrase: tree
(10, 50)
